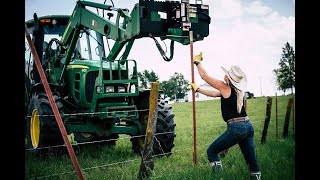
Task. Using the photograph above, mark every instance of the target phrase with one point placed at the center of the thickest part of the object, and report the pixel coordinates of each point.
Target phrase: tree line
(174, 88)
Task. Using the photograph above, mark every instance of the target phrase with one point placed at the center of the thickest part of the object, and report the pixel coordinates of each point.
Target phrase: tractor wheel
(165, 132)
(42, 130)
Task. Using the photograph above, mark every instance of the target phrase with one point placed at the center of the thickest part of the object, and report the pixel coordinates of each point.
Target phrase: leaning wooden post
(54, 107)
(147, 163)
(286, 122)
(267, 120)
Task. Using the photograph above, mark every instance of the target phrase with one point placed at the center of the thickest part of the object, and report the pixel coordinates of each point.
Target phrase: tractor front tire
(165, 132)
(42, 130)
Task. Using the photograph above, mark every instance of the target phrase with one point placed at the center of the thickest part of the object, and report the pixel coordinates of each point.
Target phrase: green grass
(276, 157)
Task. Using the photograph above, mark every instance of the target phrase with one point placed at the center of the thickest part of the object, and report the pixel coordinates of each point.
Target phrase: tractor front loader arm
(168, 20)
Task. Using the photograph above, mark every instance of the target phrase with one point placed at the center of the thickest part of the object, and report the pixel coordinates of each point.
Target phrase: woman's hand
(197, 59)
(194, 87)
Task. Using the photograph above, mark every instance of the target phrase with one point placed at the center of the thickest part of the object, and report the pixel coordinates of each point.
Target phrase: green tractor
(96, 89)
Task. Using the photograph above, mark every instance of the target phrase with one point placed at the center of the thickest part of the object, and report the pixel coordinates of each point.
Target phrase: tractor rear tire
(42, 130)
(165, 132)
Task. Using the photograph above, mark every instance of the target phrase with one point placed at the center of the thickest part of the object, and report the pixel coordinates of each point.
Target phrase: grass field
(276, 157)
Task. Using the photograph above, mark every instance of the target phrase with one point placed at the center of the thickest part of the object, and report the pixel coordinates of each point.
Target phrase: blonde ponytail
(239, 99)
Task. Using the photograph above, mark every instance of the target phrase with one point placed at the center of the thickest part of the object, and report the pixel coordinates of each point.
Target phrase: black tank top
(229, 107)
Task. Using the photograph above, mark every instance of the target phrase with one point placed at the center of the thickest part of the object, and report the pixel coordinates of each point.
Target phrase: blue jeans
(237, 133)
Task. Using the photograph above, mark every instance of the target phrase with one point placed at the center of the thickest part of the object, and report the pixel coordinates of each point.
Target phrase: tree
(146, 77)
(176, 87)
(286, 72)
(168, 88)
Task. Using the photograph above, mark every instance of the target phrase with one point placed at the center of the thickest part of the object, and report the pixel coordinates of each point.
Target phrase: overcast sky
(248, 33)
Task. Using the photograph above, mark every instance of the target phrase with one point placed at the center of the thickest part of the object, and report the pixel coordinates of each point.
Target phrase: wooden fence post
(287, 118)
(267, 120)
(276, 116)
(293, 109)
(147, 163)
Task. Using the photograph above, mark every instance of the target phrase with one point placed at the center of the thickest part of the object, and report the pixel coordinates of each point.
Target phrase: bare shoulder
(225, 91)
(216, 83)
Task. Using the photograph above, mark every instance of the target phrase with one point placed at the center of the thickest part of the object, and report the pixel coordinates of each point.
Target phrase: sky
(247, 33)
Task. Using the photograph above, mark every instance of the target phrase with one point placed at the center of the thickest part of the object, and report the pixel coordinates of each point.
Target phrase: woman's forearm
(207, 92)
(201, 71)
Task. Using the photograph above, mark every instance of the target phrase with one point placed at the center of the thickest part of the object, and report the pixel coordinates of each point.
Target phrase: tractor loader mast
(144, 21)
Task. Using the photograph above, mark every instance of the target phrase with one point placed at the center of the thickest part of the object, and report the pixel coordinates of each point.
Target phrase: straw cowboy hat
(236, 77)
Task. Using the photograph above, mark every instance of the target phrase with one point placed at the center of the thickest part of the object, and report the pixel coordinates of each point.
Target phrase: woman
(239, 128)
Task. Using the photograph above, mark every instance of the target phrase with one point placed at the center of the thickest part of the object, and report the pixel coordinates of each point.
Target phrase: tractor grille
(90, 81)
(116, 75)
(111, 100)
(107, 75)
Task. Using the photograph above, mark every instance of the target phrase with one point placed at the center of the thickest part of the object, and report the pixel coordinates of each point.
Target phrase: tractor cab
(43, 30)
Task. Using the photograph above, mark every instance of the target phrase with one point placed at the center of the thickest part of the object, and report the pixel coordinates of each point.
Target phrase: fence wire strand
(122, 162)
(163, 154)
(128, 111)
(123, 138)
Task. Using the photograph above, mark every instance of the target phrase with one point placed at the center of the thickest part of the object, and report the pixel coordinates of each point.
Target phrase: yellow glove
(194, 87)
(197, 59)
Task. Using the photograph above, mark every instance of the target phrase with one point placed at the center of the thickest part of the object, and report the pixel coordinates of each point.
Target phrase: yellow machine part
(35, 128)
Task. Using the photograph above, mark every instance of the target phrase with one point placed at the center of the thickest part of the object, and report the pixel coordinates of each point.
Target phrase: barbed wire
(128, 111)
(122, 138)
(86, 169)
(90, 113)
(99, 141)
(199, 146)
(163, 154)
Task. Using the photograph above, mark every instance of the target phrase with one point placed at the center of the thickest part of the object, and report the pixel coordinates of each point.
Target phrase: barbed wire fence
(130, 160)
(99, 141)
(258, 130)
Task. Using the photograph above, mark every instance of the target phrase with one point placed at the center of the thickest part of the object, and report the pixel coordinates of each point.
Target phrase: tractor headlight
(121, 89)
(132, 88)
(109, 89)
(98, 89)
